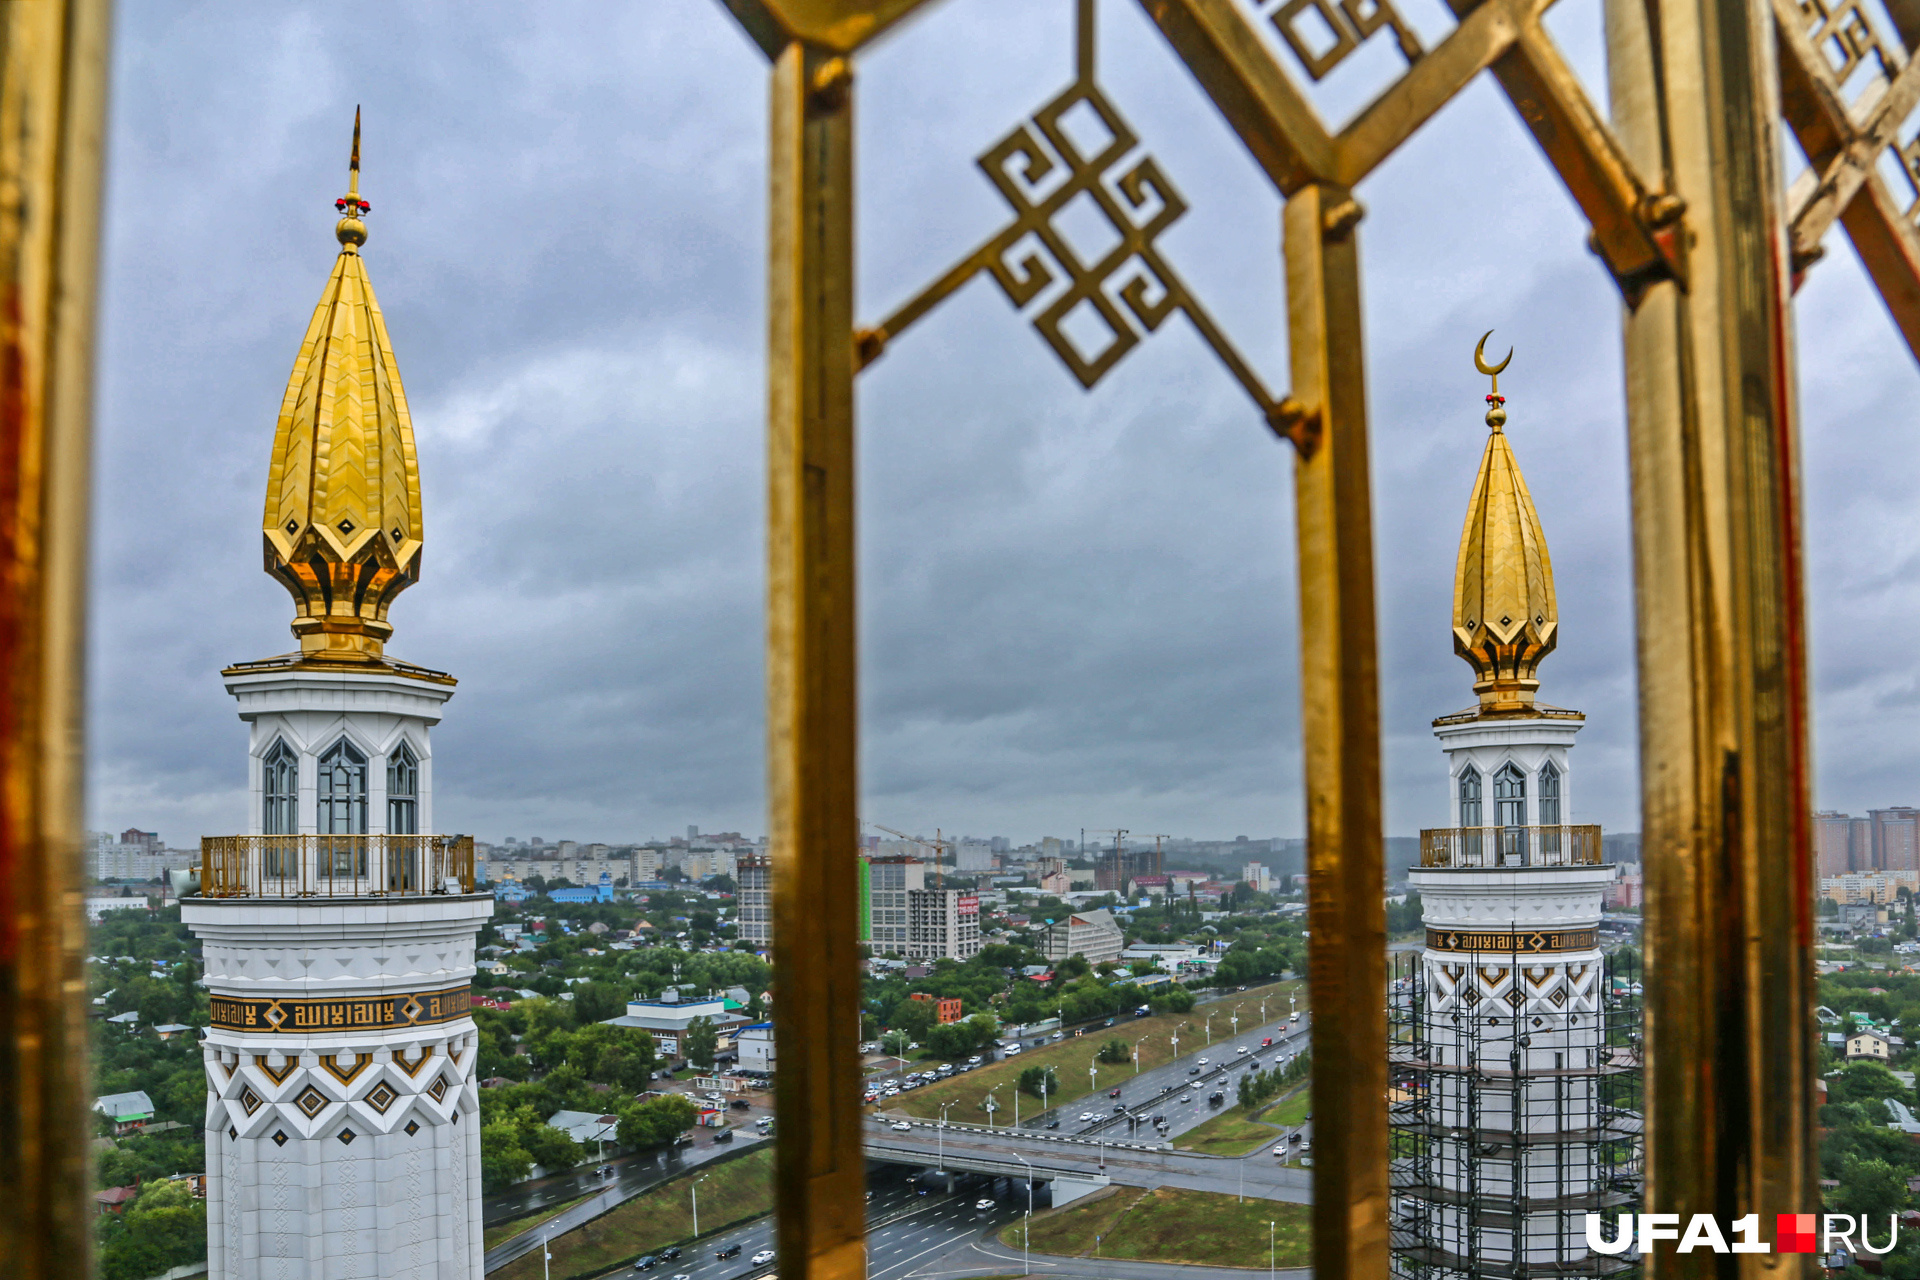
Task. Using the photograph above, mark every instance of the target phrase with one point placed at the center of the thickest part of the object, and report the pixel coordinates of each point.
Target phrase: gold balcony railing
(328, 866)
(1534, 846)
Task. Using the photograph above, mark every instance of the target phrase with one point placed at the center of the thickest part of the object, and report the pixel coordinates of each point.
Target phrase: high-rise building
(1833, 843)
(942, 924)
(753, 895)
(888, 882)
(1895, 836)
(1510, 1058)
(342, 1119)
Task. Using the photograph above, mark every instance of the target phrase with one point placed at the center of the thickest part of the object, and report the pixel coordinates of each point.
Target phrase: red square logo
(1795, 1233)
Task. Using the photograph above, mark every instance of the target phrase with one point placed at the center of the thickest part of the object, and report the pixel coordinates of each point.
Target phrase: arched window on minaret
(280, 790)
(1470, 797)
(343, 805)
(1510, 811)
(403, 792)
(1549, 795)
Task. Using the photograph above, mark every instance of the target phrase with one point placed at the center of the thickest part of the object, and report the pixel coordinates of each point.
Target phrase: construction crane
(938, 845)
(1116, 869)
(1159, 859)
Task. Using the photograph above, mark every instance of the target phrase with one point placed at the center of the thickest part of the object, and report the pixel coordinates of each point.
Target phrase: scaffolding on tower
(1497, 1122)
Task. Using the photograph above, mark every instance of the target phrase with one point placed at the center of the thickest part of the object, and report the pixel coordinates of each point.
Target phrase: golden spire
(342, 526)
(1504, 616)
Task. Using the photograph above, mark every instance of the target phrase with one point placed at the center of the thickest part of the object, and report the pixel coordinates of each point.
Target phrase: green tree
(503, 1161)
(655, 1123)
(1866, 1082)
(552, 1149)
(915, 1017)
(164, 1228)
(1872, 1187)
(597, 1002)
(1036, 1078)
(1116, 1051)
(701, 1043)
(955, 1039)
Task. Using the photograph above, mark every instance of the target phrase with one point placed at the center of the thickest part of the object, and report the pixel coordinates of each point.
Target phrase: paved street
(925, 1237)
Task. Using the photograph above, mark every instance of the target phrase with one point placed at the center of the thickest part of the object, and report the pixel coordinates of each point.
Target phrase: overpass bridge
(1078, 1165)
(1067, 1184)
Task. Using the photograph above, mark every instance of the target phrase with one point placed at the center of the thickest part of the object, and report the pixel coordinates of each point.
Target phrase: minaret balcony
(1511, 847)
(335, 866)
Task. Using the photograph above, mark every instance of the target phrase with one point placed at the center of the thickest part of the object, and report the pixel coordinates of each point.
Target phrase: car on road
(740, 1104)
(761, 1258)
(1193, 1071)
(1113, 1093)
(1053, 1124)
(983, 1204)
(1280, 1149)
(669, 1253)
(1202, 1061)
(1267, 1042)
(1306, 1145)
(646, 1263)
(1186, 1097)
(1293, 1137)
(1160, 1119)
(1119, 1108)
(1215, 1098)
(1241, 1049)
(901, 1126)
(1059, 1035)
(731, 1251)
(1086, 1116)
(682, 1276)
(725, 1135)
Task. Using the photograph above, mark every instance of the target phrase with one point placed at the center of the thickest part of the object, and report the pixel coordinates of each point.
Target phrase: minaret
(1512, 1060)
(343, 1135)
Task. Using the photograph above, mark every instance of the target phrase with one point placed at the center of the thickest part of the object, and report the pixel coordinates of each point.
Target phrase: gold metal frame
(1688, 216)
(53, 76)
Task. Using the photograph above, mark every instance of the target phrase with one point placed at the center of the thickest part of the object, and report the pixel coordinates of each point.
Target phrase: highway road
(914, 1236)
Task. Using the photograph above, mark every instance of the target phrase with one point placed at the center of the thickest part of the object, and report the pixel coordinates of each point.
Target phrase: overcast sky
(1077, 608)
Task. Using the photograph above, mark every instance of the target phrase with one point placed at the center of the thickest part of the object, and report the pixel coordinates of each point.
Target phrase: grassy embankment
(732, 1193)
(1171, 1224)
(1069, 1058)
(508, 1230)
(1235, 1132)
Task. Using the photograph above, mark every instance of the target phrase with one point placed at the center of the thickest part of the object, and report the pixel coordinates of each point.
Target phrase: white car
(1203, 1062)
(1241, 1049)
(901, 1126)
(983, 1204)
(1086, 1116)
(763, 1257)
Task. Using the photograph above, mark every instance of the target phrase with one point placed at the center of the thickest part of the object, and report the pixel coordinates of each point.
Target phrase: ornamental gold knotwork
(1078, 153)
(1340, 29)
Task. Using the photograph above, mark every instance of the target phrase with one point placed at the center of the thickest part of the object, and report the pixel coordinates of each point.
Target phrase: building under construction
(1508, 1130)
(1515, 1047)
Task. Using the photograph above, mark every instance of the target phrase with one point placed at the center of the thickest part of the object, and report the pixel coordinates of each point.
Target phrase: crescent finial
(1480, 358)
(1496, 415)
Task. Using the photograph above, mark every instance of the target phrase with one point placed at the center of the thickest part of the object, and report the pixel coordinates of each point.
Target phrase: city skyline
(1072, 602)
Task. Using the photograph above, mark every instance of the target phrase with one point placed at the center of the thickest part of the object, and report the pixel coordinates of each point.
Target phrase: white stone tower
(1512, 1063)
(343, 1136)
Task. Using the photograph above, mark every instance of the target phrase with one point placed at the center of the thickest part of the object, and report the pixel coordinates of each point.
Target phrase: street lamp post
(1210, 1013)
(991, 1106)
(1136, 1053)
(1270, 1251)
(940, 1139)
(694, 1191)
(1093, 1074)
(1026, 1255)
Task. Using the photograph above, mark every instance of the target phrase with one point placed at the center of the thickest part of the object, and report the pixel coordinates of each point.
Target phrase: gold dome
(1505, 619)
(342, 526)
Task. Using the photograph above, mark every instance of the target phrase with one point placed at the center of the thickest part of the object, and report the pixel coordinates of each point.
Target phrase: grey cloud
(1076, 608)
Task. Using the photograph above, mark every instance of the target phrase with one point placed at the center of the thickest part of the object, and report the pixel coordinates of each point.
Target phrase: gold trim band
(1525, 942)
(409, 1009)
